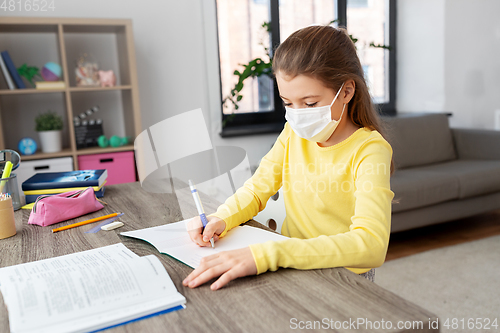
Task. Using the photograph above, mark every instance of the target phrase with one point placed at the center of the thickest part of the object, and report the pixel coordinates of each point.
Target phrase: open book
(173, 239)
(87, 291)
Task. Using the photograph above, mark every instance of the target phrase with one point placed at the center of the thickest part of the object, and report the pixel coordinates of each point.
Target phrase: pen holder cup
(9, 186)
(7, 222)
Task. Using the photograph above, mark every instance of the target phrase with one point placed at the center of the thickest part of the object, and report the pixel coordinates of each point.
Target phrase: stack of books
(50, 183)
(10, 73)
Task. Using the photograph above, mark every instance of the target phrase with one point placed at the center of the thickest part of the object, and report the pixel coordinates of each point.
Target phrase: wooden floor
(414, 241)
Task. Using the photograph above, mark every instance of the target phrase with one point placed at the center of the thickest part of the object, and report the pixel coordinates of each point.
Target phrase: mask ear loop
(342, 114)
(343, 108)
(338, 93)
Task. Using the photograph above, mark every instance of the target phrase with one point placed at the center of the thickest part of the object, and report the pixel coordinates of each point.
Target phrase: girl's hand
(229, 265)
(213, 229)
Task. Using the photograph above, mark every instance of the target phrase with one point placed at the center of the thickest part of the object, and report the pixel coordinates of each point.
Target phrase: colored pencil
(85, 222)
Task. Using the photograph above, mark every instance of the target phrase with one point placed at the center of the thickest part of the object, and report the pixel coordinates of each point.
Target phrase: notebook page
(173, 239)
(85, 290)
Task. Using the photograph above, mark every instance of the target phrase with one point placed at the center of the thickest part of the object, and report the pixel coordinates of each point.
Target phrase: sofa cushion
(419, 139)
(475, 177)
(417, 187)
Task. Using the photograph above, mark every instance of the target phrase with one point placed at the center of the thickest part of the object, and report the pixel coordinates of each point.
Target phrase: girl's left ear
(349, 89)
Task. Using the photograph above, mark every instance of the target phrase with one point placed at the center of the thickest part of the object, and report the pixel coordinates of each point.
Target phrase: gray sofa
(442, 173)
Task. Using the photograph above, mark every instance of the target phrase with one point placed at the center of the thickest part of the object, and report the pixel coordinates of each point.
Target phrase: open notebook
(87, 291)
(172, 239)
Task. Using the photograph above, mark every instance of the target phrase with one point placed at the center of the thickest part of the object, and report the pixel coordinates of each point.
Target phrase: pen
(85, 222)
(199, 207)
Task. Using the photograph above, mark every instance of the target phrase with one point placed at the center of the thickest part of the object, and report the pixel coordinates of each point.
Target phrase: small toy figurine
(86, 72)
(108, 78)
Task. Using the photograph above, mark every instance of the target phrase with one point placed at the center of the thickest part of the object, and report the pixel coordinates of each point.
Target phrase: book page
(173, 239)
(86, 290)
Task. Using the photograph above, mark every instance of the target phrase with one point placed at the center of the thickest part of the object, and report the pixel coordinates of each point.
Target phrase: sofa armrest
(477, 144)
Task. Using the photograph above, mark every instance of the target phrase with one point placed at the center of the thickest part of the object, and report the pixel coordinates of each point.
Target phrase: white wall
(472, 66)
(420, 56)
(448, 59)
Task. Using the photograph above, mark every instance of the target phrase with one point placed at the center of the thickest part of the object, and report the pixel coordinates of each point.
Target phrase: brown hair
(329, 55)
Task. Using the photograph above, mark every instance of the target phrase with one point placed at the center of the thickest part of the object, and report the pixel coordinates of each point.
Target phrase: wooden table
(280, 301)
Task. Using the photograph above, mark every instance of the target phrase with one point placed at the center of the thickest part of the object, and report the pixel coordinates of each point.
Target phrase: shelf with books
(36, 41)
(31, 44)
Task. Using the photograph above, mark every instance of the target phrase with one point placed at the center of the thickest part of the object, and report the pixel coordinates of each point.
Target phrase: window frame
(252, 123)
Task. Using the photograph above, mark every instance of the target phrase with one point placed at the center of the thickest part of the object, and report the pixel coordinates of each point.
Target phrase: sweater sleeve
(364, 246)
(252, 197)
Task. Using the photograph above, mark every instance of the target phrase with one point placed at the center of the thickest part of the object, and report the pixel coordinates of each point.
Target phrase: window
(367, 22)
(244, 35)
(296, 14)
(241, 38)
(358, 3)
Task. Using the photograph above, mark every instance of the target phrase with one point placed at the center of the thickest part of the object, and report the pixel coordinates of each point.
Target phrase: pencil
(85, 222)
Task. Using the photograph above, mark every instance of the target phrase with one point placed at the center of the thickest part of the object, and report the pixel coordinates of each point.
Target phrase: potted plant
(49, 126)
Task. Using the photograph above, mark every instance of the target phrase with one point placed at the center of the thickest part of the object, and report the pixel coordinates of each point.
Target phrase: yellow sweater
(337, 199)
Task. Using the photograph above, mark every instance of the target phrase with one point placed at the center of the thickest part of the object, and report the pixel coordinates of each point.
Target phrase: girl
(331, 161)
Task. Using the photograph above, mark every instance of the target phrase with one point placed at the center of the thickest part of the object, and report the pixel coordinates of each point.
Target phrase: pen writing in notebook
(200, 209)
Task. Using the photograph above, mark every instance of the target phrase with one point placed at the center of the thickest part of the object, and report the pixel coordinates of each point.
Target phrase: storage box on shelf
(36, 41)
(120, 165)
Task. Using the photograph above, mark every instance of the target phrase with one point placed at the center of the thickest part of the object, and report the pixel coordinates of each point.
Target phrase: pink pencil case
(50, 209)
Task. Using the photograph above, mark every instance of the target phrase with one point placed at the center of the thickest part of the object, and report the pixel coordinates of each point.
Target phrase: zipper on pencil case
(74, 195)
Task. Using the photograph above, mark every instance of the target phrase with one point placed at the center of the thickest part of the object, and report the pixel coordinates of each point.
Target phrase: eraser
(112, 225)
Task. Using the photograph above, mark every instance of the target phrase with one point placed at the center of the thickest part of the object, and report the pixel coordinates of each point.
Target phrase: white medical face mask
(314, 124)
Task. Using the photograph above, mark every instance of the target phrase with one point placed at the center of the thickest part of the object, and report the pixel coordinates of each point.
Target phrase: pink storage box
(120, 166)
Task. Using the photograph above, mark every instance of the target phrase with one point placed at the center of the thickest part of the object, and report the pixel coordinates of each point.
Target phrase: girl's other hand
(213, 229)
(229, 265)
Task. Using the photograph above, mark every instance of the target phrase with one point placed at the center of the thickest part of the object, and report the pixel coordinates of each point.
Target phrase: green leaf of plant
(28, 72)
(267, 26)
(48, 121)
(387, 47)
